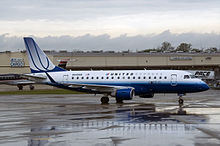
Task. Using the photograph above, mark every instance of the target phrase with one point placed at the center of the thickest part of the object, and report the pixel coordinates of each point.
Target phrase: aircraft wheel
(31, 87)
(181, 101)
(20, 87)
(104, 100)
(119, 100)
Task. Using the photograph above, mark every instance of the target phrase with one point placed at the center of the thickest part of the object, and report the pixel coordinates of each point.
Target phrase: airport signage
(17, 62)
(182, 58)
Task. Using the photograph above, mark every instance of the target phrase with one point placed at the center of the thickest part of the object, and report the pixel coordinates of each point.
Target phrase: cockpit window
(186, 77)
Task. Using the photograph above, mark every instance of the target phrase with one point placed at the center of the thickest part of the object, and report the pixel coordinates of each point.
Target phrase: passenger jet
(121, 84)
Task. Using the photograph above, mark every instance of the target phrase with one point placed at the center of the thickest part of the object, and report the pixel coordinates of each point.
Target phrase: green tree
(184, 47)
(196, 50)
(166, 46)
(211, 50)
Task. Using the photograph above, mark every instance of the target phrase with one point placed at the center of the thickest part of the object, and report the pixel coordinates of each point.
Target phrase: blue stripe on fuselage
(152, 87)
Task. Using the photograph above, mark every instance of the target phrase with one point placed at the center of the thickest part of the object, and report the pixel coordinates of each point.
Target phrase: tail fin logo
(38, 60)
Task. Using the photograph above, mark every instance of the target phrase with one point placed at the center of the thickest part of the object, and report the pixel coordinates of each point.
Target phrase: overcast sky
(109, 24)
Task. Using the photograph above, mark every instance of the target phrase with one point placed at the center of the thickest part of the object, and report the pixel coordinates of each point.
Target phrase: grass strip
(43, 91)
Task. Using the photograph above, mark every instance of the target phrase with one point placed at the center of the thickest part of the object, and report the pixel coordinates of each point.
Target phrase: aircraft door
(65, 78)
(173, 79)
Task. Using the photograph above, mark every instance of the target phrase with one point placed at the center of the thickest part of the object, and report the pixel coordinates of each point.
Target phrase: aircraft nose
(203, 86)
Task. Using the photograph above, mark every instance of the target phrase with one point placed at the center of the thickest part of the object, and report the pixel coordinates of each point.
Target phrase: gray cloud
(105, 42)
(86, 9)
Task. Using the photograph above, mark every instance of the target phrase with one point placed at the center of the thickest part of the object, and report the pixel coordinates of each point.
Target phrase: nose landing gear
(181, 101)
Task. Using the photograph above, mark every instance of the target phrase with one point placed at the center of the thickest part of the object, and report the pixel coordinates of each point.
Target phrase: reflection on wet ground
(72, 120)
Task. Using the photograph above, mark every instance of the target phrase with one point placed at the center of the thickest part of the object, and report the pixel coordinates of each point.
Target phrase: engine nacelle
(150, 95)
(124, 94)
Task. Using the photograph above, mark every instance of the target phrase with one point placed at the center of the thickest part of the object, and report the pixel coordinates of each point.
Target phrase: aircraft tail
(38, 60)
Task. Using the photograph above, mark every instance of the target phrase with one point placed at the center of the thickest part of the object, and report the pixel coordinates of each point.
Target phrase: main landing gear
(20, 87)
(31, 87)
(181, 101)
(119, 101)
(105, 100)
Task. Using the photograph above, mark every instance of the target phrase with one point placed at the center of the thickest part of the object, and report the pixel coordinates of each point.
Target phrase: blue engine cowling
(124, 94)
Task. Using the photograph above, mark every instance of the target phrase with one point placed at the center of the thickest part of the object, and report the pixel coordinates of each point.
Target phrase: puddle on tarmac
(93, 124)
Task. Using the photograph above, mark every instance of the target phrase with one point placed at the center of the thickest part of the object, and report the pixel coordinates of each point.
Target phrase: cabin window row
(155, 77)
(131, 74)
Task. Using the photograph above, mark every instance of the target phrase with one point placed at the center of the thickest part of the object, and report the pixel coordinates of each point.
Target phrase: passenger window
(123, 77)
(139, 77)
(106, 77)
(112, 73)
(149, 77)
(102, 77)
(112, 77)
(129, 77)
(87, 77)
(155, 77)
(160, 77)
(97, 77)
(134, 77)
(77, 77)
(127, 74)
(72, 77)
(144, 77)
(82, 77)
(118, 77)
(116, 74)
(132, 74)
(165, 77)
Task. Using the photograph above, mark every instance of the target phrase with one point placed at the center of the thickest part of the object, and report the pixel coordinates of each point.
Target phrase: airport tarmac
(80, 120)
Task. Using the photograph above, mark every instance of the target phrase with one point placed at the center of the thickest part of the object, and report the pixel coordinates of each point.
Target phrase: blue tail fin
(38, 60)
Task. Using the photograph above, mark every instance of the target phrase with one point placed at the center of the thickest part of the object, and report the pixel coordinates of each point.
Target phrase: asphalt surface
(80, 120)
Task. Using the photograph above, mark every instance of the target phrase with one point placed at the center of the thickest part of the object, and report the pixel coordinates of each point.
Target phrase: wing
(96, 87)
(18, 82)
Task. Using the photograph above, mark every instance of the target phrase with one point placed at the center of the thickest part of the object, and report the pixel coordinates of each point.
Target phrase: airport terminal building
(17, 62)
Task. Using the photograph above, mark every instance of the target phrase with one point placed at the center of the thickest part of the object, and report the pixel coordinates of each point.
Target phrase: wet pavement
(80, 120)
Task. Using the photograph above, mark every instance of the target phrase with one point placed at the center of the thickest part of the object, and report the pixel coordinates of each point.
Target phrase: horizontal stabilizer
(34, 76)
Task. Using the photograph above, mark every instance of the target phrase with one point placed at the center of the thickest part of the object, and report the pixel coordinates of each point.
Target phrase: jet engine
(123, 94)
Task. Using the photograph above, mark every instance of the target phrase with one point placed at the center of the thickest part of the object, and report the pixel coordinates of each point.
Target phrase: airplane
(21, 81)
(121, 84)
(16, 80)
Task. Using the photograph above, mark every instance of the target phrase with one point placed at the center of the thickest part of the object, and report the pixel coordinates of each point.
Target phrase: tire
(104, 100)
(181, 101)
(31, 87)
(20, 87)
(119, 100)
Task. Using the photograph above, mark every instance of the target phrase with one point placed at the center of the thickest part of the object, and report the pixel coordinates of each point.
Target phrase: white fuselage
(143, 81)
